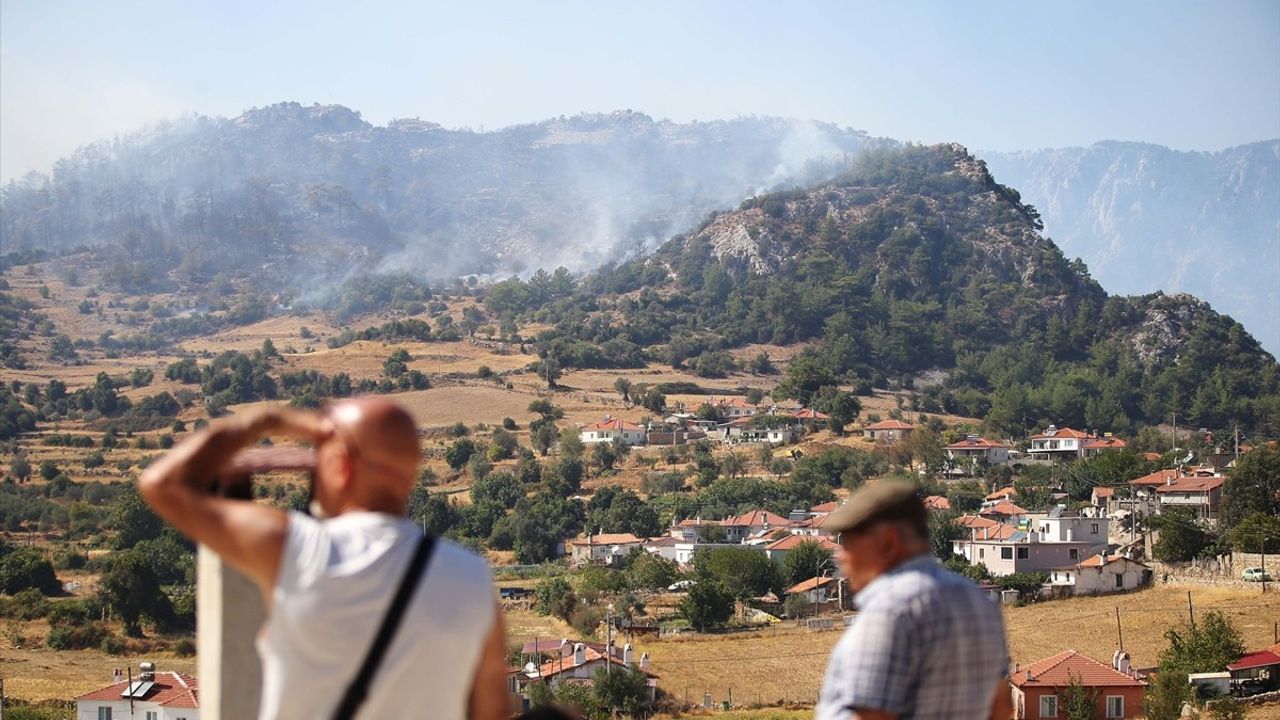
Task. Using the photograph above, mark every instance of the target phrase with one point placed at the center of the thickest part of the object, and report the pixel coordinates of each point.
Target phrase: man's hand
(248, 536)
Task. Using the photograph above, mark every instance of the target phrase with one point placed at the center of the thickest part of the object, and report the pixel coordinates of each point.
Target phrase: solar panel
(138, 689)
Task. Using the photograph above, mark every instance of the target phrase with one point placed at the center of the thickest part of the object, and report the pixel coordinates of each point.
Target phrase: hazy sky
(992, 75)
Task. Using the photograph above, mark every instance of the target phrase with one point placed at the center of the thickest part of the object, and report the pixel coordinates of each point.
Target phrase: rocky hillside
(1147, 218)
(919, 260)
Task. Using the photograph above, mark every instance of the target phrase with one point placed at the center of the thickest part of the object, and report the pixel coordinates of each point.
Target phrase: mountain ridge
(592, 188)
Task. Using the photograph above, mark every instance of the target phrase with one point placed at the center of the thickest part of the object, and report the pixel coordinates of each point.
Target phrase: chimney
(626, 654)
(644, 662)
(117, 676)
(566, 647)
(579, 654)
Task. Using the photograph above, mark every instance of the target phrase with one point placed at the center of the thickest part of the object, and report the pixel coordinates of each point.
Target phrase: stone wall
(1222, 570)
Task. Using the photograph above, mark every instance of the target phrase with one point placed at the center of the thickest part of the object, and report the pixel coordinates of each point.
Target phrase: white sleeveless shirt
(337, 578)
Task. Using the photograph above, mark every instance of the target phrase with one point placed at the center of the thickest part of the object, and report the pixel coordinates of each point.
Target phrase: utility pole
(1191, 610)
(1119, 632)
(1262, 546)
(608, 641)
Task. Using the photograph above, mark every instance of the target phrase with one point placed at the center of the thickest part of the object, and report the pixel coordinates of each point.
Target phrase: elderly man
(329, 583)
(926, 643)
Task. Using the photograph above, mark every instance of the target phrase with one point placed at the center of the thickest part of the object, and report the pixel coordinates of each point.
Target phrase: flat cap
(883, 500)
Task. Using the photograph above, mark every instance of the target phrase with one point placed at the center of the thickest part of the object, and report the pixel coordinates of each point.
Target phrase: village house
(695, 529)
(810, 418)
(974, 452)
(887, 431)
(685, 553)
(734, 408)
(1038, 688)
(673, 435)
(614, 430)
(778, 549)
(1054, 541)
(1103, 499)
(756, 522)
(1004, 493)
(1099, 575)
(1006, 512)
(747, 429)
(578, 666)
(607, 548)
(1199, 493)
(1068, 444)
(150, 695)
(815, 590)
(937, 503)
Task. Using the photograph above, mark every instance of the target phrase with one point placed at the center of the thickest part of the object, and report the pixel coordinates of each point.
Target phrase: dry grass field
(49, 674)
(787, 663)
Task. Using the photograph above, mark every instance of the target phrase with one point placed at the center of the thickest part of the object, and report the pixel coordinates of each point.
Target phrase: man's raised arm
(179, 487)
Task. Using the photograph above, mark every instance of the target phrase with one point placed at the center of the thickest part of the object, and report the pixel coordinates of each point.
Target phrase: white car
(681, 585)
(1255, 574)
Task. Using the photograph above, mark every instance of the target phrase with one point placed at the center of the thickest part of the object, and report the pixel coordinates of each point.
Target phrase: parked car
(1255, 574)
(681, 585)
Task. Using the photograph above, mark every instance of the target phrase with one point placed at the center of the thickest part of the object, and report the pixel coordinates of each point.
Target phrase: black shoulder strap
(358, 690)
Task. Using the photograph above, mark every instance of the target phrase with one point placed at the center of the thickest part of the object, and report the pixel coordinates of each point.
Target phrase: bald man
(327, 583)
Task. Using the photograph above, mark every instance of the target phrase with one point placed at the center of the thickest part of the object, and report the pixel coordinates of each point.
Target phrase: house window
(1119, 580)
(982, 553)
(1006, 553)
(1115, 706)
(1073, 553)
(1094, 528)
(1024, 553)
(104, 713)
(152, 715)
(1049, 706)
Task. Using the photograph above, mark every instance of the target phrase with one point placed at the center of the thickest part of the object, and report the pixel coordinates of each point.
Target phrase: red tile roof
(1262, 658)
(1005, 492)
(890, 425)
(758, 518)
(810, 414)
(616, 424)
(826, 507)
(937, 502)
(810, 584)
(1004, 507)
(1058, 671)
(976, 522)
(1065, 432)
(607, 539)
(696, 522)
(1104, 492)
(1159, 477)
(1192, 485)
(999, 531)
(1105, 443)
(791, 542)
(975, 444)
(172, 689)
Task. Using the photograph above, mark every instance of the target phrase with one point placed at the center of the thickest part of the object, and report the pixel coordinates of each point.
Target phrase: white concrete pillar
(229, 613)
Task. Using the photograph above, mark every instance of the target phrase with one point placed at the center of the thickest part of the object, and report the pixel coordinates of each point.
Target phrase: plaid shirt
(926, 643)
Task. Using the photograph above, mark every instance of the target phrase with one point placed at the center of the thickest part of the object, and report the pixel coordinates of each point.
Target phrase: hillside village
(651, 493)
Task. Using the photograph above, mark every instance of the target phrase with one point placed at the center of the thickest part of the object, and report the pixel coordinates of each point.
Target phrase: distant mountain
(1146, 218)
(917, 260)
(313, 190)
